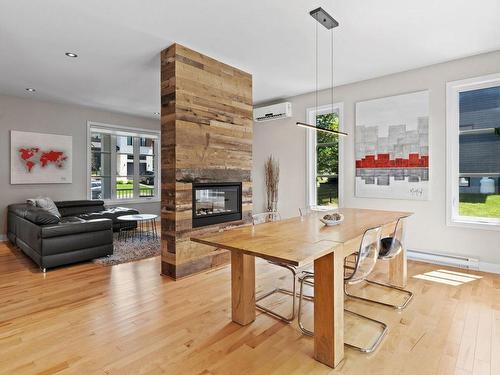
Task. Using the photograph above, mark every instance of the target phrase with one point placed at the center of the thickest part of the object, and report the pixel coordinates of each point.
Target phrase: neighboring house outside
(479, 138)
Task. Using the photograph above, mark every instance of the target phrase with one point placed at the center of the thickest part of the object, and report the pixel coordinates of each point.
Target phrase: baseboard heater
(444, 259)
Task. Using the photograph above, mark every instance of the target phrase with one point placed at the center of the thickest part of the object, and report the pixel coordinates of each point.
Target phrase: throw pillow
(46, 204)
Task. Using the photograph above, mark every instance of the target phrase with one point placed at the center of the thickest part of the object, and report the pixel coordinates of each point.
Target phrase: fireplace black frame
(216, 218)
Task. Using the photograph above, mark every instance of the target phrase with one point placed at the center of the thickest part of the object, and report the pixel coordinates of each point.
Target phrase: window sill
(475, 223)
(117, 202)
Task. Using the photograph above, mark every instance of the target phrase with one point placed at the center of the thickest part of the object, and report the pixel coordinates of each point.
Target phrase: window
(323, 162)
(473, 137)
(123, 163)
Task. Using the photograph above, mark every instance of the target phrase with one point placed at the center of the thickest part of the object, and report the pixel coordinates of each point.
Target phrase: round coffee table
(146, 226)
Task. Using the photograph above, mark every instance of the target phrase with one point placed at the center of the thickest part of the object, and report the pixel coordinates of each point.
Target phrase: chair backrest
(265, 217)
(304, 211)
(367, 255)
(392, 246)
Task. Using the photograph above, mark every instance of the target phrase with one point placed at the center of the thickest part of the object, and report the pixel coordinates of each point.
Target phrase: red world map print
(33, 156)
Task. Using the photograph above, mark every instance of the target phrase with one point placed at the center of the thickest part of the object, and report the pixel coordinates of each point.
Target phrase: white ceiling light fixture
(71, 54)
(322, 17)
(30, 89)
(156, 113)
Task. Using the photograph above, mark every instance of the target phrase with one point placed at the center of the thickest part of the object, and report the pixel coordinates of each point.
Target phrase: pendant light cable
(317, 73)
(331, 34)
(330, 23)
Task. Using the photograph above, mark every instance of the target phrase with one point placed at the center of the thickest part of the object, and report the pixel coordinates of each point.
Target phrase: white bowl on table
(332, 222)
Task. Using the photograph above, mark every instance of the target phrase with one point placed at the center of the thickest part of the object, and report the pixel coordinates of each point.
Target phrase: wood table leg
(242, 288)
(398, 271)
(329, 308)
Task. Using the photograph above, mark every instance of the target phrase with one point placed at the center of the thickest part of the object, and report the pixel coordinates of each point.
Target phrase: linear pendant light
(325, 19)
(308, 126)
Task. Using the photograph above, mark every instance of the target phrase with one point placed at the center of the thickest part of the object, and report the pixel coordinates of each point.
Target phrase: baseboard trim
(489, 267)
(453, 260)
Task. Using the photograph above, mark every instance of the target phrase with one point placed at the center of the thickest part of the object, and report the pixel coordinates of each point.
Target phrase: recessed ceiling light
(30, 89)
(156, 113)
(71, 54)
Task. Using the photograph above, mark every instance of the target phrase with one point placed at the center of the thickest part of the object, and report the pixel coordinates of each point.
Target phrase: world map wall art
(38, 158)
(392, 147)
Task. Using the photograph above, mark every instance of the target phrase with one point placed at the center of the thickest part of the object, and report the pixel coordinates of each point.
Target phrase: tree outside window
(327, 160)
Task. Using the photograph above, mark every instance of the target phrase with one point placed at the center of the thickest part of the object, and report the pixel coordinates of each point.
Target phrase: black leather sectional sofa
(84, 231)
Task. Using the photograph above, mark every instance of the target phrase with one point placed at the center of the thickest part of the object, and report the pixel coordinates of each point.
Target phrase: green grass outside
(480, 205)
(125, 186)
(325, 201)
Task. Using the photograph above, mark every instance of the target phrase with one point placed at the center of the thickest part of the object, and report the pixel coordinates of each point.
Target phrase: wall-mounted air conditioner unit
(273, 112)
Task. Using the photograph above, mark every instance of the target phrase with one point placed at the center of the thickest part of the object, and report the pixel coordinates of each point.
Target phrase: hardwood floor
(127, 319)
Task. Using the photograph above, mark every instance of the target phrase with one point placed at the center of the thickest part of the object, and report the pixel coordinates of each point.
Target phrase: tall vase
(272, 206)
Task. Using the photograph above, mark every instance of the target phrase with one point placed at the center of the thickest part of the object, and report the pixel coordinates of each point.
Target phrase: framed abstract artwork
(37, 158)
(392, 147)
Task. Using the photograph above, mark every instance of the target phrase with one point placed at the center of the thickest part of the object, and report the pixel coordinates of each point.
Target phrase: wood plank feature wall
(206, 125)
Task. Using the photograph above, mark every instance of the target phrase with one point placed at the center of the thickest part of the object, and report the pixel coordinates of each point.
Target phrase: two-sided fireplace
(216, 203)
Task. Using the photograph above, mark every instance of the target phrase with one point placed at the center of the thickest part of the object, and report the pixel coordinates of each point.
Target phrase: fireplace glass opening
(216, 203)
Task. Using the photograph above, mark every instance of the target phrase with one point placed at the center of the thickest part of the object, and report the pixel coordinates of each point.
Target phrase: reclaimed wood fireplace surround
(206, 126)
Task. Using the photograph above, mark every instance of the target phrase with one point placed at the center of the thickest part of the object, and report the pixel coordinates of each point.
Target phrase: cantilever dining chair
(266, 218)
(390, 247)
(304, 211)
(366, 259)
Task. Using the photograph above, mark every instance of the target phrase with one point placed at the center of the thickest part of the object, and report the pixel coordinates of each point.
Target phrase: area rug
(131, 250)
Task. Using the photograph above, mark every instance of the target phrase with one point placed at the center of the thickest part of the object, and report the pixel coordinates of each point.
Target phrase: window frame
(118, 130)
(311, 157)
(453, 90)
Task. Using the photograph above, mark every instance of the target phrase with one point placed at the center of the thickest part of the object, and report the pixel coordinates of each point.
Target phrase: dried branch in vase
(272, 171)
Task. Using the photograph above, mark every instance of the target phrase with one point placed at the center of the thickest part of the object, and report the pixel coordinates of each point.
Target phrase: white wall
(427, 229)
(44, 117)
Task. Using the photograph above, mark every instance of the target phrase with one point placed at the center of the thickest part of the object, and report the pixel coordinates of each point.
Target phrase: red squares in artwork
(369, 161)
(413, 160)
(385, 161)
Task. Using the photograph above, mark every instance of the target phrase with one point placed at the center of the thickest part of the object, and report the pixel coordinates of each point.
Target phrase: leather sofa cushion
(41, 216)
(80, 203)
(75, 208)
(74, 226)
(19, 209)
(34, 214)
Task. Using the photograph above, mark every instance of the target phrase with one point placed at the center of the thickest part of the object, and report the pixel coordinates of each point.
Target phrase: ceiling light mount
(71, 54)
(30, 89)
(324, 18)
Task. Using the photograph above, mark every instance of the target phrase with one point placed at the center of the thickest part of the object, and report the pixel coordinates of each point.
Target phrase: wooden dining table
(301, 241)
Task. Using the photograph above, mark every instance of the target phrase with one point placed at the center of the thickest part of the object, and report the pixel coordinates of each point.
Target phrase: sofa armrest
(28, 233)
(68, 228)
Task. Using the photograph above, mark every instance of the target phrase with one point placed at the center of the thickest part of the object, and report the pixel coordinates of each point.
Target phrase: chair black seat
(386, 246)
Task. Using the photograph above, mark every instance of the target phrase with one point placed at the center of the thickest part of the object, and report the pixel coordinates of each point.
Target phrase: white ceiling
(118, 43)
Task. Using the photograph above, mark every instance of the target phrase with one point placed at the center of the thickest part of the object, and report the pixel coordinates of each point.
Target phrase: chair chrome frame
(293, 292)
(393, 252)
(307, 278)
(269, 217)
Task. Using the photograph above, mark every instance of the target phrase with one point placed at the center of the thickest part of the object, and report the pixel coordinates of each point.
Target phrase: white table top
(137, 217)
